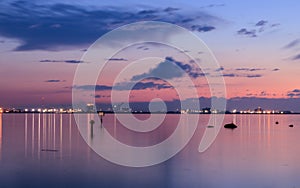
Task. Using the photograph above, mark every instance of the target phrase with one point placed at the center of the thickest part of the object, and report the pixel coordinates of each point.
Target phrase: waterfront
(47, 150)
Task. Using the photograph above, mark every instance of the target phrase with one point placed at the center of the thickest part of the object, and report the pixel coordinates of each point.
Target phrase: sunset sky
(256, 43)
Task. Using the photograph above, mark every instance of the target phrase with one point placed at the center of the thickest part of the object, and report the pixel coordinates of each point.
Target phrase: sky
(256, 45)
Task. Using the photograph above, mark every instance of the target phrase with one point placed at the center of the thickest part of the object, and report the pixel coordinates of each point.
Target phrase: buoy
(230, 126)
(92, 122)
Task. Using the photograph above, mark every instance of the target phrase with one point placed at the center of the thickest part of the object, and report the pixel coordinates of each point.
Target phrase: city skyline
(258, 53)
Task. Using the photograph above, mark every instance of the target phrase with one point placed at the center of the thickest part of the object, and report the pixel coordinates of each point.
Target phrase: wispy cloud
(292, 44)
(242, 75)
(117, 59)
(214, 5)
(126, 86)
(296, 57)
(250, 69)
(61, 61)
(54, 81)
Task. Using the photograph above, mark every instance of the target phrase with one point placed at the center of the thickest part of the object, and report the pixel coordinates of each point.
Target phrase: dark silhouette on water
(230, 126)
(92, 122)
(50, 150)
(291, 125)
(276, 122)
(101, 114)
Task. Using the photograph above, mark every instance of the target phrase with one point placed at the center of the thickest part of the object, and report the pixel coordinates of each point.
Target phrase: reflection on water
(46, 150)
(0, 135)
(47, 133)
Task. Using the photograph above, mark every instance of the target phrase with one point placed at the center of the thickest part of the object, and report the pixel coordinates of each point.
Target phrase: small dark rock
(230, 126)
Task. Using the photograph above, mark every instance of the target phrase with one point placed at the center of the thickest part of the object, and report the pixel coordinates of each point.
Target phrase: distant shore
(141, 112)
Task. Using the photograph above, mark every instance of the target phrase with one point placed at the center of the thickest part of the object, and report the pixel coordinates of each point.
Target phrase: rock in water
(230, 126)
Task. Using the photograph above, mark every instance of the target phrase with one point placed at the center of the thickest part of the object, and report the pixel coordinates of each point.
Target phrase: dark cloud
(292, 44)
(214, 5)
(94, 87)
(143, 48)
(242, 75)
(126, 86)
(294, 93)
(187, 20)
(54, 81)
(169, 69)
(248, 33)
(258, 28)
(155, 79)
(147, 12)
(202, 28)
(263, 94)
(296, 57)
(73, 61)
(171, 9)
(253, 76)
(275, 25)
(230, 75)
(117, 59)
(102, 96)
(49, 61)
(61, 61)
(276, 69)
(261, 23)
(220, 69)
(150, 85)
(63, 26)
(249, 69)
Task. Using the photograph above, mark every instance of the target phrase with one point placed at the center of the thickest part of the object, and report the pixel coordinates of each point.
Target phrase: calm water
(47, 150)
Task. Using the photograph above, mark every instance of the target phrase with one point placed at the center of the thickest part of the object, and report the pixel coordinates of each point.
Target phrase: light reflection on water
(0, 136)
(46, 150)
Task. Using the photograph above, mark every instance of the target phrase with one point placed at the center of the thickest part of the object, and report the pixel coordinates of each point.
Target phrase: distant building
(90, 108)
(206, 110)
(258, 110)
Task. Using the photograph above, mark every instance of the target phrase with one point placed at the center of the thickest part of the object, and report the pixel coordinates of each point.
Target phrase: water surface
(47, 150)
